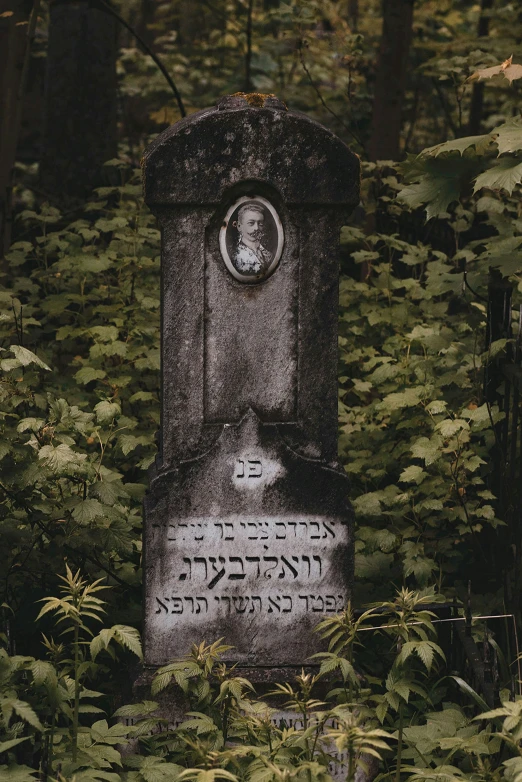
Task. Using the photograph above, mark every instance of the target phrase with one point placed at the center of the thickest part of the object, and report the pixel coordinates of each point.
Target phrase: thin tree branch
(248, 54)
(445, 109)
(148, 51)
(323, 102)
(416, 97)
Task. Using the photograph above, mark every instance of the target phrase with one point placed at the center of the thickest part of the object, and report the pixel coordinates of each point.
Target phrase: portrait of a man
(251, 256)
(251, 239)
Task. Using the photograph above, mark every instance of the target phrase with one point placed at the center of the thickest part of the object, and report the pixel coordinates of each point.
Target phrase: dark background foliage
(426, 94)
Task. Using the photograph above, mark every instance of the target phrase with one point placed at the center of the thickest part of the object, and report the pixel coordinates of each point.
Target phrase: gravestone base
(173, 707)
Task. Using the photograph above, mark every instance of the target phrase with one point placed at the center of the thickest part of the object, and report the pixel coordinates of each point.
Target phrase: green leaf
(468, 690)
(496, 347)
(409, 397)
(137, 709)
(437, 406)
(506, 174)
(43, 672)
(439, 182)
(27, 713)
(88, 374)
(30, 424)
(459, 145)
(368, 504)
(451, 426)
(509, 136)
(123, 635)
(6, 745)
(16, 773)
(155, 769)
(429, 450)
(129, 442)
(412, 474)
(106, 411)
(88, 510)
(61, 457)
(26, 357)
(110, 225)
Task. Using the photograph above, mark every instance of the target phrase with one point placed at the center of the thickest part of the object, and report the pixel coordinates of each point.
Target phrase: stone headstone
(248, 530)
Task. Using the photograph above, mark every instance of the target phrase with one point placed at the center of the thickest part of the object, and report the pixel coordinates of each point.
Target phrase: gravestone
(248, 530)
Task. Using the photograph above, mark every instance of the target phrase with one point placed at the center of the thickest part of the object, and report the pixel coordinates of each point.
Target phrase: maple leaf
(507, 69)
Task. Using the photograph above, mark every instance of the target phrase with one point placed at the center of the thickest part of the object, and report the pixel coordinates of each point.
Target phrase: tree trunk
(390, 81)
(80, 111)
(191, 23)
(477, 95)
(13, 44)
(353, 14)
(146, 18)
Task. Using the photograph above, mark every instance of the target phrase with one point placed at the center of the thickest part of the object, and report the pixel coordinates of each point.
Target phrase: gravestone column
(248, 531)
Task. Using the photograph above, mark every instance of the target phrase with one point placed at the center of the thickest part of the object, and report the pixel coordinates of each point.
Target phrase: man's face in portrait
(250, 226)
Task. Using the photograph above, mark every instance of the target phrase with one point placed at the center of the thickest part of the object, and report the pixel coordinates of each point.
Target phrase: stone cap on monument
(189, 163)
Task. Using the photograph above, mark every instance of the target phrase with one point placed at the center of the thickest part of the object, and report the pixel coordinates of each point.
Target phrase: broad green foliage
(79, 392)
(415, 432)
(230, 734)
(79, 409)
(442, 174)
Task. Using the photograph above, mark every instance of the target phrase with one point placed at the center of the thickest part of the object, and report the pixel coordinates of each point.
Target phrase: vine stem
(351, 757)
(148, 51)
(50, 754)
(76, 693)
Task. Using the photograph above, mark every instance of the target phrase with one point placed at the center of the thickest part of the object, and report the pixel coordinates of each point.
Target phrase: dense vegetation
(437, 91)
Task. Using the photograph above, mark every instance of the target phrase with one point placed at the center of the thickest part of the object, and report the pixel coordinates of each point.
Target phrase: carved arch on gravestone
(256, 326)
(188, 173)
(198, 158)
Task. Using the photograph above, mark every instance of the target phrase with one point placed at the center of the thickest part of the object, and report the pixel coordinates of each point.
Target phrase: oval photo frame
(251, 239)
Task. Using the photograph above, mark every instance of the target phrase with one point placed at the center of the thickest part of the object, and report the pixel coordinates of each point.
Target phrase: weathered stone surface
(196, 160)
(248, 529)
(249, 541)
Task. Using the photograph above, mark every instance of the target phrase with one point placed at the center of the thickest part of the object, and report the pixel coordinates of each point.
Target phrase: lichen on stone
(254, 99)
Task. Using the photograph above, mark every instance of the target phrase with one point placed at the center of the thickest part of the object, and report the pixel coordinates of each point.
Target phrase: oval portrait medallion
(251, 239)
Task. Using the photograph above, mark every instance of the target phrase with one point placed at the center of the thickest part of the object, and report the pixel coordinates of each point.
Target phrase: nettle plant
(79, 397)
(43, 702)
(415, 432)
(399, 724)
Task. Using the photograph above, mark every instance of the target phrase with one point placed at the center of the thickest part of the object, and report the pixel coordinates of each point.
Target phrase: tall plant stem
(399, 746)
(10, 132)
(351, 755)
(76, 694)
(51, 748)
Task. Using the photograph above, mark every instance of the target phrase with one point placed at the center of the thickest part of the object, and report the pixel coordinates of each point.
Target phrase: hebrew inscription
(247, 567)
(253, 468)
(250, 604)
